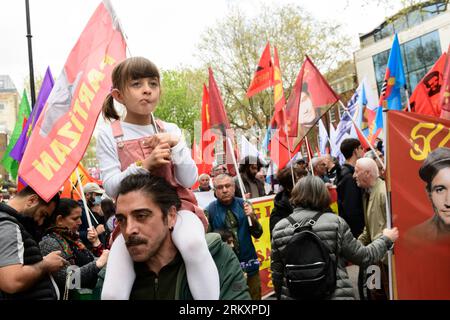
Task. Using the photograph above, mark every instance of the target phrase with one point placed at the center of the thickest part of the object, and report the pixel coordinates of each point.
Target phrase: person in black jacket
(282, 207)
(350, 204)
(24, 272)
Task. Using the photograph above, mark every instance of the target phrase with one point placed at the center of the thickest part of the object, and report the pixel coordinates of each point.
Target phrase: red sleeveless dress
(130, 151)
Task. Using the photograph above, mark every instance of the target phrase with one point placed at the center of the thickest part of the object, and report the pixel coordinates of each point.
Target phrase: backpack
(309, 268)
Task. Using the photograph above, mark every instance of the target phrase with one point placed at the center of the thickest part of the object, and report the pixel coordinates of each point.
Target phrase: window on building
(380, 62)
(429, 11)
(409, 20)
(387, 30)
(400, 24)
(2, 84)
(419, 55)
(2, 107)
(414, 18)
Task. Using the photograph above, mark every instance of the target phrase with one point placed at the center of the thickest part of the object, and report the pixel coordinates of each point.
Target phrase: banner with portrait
(422, 252)
(263, 207)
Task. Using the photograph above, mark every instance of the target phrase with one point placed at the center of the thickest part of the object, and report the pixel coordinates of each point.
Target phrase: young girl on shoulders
(139, 144)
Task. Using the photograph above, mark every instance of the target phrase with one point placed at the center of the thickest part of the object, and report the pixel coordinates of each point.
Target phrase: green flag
(11, 165)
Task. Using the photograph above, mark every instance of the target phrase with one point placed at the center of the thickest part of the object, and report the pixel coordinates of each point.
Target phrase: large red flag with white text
(64, 128)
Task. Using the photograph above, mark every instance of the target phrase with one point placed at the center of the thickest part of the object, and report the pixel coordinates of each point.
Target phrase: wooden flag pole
(309, 155)
(289, 146)
(90, 212)
(407, 99)
(86, 209)
(241, 184)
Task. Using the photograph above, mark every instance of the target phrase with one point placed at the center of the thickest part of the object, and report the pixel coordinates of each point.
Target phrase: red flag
(422, 255)
(206, 145)
(218, 119)
(64, 128)
(218, 116)
(69, 191)
(361, 138)
(278, 121)
(310, 99)
(445, 90)
(426, 99)
(263, 77)
(279, 154)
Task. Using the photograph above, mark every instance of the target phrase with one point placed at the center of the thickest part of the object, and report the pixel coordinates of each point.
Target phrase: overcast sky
(166, 31)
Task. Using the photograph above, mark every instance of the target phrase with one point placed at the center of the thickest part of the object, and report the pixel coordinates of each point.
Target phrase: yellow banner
(263, 207)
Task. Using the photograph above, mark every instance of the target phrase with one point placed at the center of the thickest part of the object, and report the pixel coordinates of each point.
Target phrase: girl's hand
(161, 138)
(92, 236)
(160, 156)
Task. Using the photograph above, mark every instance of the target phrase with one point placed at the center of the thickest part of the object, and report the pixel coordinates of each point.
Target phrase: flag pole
(90, 212)
(309, 155)
(388, 212)
(86, 209)
(289, 146)
(30, 55)
(407, 99)
(241, 184)
(365, 139)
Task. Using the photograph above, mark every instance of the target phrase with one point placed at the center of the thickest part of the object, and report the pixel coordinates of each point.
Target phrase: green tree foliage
(181, 97)
(233, 48)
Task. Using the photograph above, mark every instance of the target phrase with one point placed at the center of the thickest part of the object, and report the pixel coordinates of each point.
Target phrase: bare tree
(233, 48)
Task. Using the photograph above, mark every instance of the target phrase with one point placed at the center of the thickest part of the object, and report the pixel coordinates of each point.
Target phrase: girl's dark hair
(161, 193)
(130, 69)
(63, 209)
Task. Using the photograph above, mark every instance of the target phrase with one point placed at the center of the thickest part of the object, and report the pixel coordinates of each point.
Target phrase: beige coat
(374, 203)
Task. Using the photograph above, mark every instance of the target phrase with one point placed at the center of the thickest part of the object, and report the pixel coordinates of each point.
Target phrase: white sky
(165, 31)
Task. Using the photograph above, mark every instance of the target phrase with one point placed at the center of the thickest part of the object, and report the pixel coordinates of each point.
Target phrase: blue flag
(394, 79)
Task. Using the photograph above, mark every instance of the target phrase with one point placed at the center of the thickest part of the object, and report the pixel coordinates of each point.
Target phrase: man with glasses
(230, 213)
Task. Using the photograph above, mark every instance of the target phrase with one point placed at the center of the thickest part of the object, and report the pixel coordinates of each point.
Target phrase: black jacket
(282, 209)
(43, 288)
(350, 203)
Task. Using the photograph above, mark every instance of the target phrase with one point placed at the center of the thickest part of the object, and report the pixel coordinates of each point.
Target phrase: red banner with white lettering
(422, 252)
(64, 129)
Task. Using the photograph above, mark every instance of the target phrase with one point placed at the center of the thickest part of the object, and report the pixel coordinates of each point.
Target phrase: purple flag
(47, 86)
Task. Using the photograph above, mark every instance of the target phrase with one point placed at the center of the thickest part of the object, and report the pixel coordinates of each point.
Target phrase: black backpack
(309, 268)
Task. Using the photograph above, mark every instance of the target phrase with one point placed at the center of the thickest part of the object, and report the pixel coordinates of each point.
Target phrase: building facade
(9, 101)
(424, 34)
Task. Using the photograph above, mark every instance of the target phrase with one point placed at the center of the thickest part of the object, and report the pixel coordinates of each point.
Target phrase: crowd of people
(142, 234)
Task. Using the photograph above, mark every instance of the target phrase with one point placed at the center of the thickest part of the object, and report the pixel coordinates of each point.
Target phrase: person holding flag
(141, 144)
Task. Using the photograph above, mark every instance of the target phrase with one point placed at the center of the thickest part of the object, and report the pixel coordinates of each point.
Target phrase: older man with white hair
(374, 204)
(320, 169)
